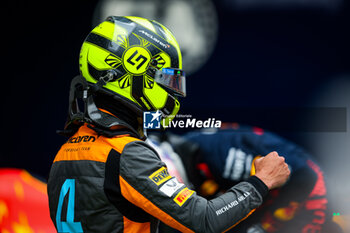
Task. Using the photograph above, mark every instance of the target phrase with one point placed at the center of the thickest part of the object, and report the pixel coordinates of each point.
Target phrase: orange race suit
(119, 184)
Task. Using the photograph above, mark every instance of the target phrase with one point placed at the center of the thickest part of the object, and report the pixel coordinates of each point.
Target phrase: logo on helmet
(155, 39)
(136, 60)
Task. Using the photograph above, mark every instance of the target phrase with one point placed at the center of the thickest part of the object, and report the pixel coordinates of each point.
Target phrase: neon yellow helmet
(136, 60)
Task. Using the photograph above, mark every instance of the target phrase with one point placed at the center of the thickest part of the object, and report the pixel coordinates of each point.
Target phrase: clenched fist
(272, 170)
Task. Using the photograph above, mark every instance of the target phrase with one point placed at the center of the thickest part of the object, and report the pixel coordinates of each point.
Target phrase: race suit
(119, 184)
(214, 161)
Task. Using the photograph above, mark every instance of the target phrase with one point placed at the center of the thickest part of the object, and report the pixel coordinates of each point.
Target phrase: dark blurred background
(279, 65)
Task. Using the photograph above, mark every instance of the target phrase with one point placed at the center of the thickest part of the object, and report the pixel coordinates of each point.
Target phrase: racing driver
(106, 178)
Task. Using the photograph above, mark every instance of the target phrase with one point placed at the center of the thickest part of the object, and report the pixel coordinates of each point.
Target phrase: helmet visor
(173, 80)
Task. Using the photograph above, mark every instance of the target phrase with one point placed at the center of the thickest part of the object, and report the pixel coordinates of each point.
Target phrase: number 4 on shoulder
(69, 225)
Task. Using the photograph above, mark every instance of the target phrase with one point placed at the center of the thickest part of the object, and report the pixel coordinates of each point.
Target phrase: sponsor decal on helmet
(160, 176)
(153, 38)
(183, 196)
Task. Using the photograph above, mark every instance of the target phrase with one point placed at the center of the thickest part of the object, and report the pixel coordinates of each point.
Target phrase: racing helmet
(137, 61)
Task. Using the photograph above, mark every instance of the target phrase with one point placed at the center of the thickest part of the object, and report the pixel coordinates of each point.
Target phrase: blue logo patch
(151, 120)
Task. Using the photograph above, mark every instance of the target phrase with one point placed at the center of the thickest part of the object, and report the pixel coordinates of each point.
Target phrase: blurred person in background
(23, 203)
(105, 178)
(213, 161)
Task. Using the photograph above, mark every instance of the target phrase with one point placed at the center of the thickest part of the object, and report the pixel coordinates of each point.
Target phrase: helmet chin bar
(81, 90)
